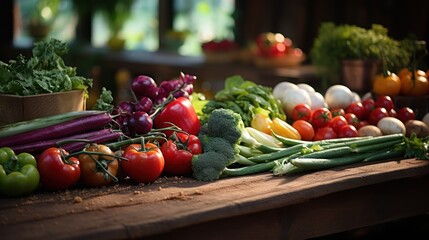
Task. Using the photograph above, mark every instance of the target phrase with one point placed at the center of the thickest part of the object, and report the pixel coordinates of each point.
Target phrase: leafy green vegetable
(104, 102)
(243, 97)
(416, 147)
(44, 72)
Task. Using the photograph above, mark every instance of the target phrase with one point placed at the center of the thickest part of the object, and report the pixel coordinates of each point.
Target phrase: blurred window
(40, 18)
(134, 21)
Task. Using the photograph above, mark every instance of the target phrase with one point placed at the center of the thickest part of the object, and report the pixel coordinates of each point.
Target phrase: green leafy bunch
(244, 97)
(44, 72)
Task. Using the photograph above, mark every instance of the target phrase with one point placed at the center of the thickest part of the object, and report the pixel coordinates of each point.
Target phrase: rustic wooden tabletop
(288, 207)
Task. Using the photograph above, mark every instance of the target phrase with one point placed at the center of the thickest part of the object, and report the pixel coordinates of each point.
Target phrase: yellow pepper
(284, 129)
(261, 121)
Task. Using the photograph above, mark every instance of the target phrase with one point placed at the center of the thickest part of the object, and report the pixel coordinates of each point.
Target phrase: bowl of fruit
(275, 50)
(220, 51)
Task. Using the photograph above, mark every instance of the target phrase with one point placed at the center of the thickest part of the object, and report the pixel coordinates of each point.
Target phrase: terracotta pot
(358, 74)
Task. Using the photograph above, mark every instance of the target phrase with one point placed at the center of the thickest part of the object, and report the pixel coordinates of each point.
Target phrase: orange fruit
(419, 86)
(387, 85)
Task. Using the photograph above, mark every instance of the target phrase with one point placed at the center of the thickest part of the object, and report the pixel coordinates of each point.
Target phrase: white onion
(293, 97)
(338, 96)
(306, 87)
(317, 100)
(280, 88)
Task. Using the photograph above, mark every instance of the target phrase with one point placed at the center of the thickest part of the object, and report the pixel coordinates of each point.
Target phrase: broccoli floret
(220, 137)
(227, 124)
(220, 145)
(208, 166)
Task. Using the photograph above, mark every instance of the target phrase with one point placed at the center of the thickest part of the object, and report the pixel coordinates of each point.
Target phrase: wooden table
(253, 207)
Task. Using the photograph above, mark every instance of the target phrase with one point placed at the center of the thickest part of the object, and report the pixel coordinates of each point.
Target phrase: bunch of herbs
(44, 72)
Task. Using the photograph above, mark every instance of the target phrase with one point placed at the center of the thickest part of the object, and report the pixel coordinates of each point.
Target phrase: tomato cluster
(324, 123)
(96, 165)
(273, 45)
(405, 82)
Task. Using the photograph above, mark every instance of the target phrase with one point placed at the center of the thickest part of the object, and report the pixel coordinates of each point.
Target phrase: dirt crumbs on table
(183, 196)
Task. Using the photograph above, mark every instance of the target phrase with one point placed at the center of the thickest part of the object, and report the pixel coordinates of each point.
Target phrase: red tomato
(305, 129)
(324, 133)
(405, 114)
(57, 173)
(321, 117)
(362, 123)
(338, 122)
(301, 112)
(392, 113)
(377, 114)
(384, 101)
(348, 131)
(357, 109)
(352, 119)
(181, 113)
(338, 112)
(368, 105)
(178, 153)
(144, 165)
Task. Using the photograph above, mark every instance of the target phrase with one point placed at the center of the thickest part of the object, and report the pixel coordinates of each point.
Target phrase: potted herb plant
(351, 55)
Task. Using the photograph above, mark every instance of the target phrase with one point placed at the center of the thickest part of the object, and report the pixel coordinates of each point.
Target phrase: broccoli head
(208, 166)
(219, 137)
(226, 124)
(221, 145)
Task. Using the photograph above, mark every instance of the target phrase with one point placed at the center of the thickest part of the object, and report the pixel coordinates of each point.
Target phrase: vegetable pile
(170, 130)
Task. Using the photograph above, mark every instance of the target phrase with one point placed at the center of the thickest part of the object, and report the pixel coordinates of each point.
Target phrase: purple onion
(144, 86)
(145, 104)
(140, 122)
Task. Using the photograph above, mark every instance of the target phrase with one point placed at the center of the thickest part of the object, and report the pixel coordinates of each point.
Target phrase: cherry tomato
(352, 119)
(377, 114)
(338, 122)
(357, 109)
(348, 131)
(338, 112)
(321, 117)
(392, 113)
(405, 114)
(178, 153)
(384, 101)
(324, 133)
(301, 112)
(362, 123)
(144, 164)
(305, 129)
(368, 105)
(57, 173)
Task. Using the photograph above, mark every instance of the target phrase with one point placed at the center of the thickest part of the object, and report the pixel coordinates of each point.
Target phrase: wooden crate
(15, 108)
